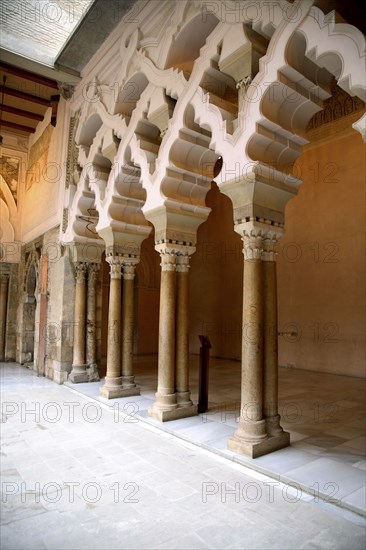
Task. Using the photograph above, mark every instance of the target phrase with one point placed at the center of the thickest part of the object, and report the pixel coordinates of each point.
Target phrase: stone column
(91, 347)
(128, 380)
(113, 380)
(251, 431)
(182, 334)
(166, 399)
(78, 373)
(271, 415)
(4, 279)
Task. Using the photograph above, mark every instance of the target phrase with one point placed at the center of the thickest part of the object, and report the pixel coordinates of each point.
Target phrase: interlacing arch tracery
(154, 142)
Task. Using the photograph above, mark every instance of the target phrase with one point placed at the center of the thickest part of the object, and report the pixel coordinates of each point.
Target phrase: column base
(173, 414)
(113, 392)
(78, 374)
(273, 426)
(128, 382)
(93, 372)
(184, 399)
(255, 449)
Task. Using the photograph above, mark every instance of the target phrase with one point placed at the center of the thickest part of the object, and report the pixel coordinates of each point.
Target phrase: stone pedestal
(78, 373)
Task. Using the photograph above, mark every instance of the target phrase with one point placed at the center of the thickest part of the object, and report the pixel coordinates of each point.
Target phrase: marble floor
(79, 472)
(324, 413)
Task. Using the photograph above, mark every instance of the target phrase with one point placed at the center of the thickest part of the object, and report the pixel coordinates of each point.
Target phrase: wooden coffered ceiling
(24, 99)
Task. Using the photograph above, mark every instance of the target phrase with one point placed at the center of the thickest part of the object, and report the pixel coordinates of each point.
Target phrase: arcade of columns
(259, 430)
(263, 137)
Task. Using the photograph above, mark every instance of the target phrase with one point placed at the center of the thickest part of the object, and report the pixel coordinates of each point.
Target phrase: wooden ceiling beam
(23, 95)
(20, 112)
(27, 129)
(22, 73)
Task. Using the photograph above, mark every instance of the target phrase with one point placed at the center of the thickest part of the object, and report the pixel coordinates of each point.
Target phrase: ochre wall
(216, 281)
(147, 296)
(321, 261)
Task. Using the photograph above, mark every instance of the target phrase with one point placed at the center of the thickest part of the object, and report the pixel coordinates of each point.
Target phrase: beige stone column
(271, 415)
(4, 280)
(91, 347)
(128, 379)
(251, 431)
(166, 399)
(182, 333)
(113, 380)
(78, 373)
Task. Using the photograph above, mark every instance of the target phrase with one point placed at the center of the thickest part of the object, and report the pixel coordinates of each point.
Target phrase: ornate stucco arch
(278, 105)
(243, 96)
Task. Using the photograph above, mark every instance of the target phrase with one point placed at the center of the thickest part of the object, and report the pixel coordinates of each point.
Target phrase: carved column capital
(80, 269)
(252, 244)
(182, 263)
(115, 266)
(270, 242)
(93, 269)
(168, 260)
(129, 270)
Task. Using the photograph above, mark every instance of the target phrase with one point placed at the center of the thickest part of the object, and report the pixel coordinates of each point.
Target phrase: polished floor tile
(139, 484)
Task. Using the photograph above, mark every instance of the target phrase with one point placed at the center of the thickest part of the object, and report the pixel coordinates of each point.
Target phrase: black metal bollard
(203, 376)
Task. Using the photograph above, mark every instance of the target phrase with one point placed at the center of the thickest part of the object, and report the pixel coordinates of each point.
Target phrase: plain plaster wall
(321, 261)
(216, 281)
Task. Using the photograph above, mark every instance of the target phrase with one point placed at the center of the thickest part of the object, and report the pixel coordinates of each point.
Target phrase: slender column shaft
(78, 373)
(4, 278)
(259, 431)
(251, 429)
(127, 326)
(79, 318)
(270, 336)
(165, 398)
(114, 325)
(182, 333)
(91, 313)
(252, 350)
(119, 381)
(91, 343)
(270, 339)
(166, 351)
